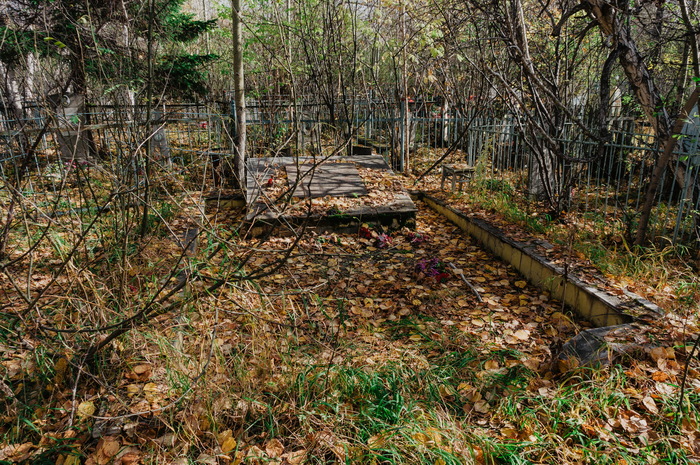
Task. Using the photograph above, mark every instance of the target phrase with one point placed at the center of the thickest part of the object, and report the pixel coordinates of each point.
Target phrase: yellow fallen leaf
(444, 391)
(464, 387)
(223, 436)
(376, 441)
(86, 409)
(141, 369)
(521, 284)
(72, 460)
(60, 368)
(491, 365)
(422, 438)
(228, 445)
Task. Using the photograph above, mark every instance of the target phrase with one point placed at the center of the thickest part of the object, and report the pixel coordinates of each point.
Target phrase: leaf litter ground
(369, 348)
(346, 307)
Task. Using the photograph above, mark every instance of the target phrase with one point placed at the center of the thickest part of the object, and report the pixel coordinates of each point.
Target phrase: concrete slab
(333, 179)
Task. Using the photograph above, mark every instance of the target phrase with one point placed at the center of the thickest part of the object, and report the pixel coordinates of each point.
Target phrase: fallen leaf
(129, 456)
(296, 457)
(491, 365)
(481, 406)
(422, 438)
(140, 372)
(16, 452)
(274, 448)
(659, 353)
(228, 445)
(206, 459)
(107, 447)
(650, 405)
(86, 409)
(72, 460)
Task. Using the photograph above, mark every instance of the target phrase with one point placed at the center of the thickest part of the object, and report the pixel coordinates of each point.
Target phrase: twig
(461, 275)
(74, 393)
(679, 409)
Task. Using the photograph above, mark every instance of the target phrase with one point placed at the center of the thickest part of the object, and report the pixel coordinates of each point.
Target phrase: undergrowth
(604, 241)
(267, 371)
(463, 402)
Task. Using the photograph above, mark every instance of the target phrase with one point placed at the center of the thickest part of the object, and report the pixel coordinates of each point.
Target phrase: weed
(498, 185)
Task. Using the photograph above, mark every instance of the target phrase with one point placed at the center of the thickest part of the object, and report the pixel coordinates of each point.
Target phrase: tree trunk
(11, 97)
(542, 184)
(660, 167)
(613, 25)
(239, 143)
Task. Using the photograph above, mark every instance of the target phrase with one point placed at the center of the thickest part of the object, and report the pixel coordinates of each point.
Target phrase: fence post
(402, 137)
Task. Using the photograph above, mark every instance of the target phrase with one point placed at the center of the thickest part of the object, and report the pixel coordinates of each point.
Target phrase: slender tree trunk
(613, 25)
(11, 97)
(146, 165)
(405, 113)
(544, 182)
(239, 144)
(692, 37)
(660, 167)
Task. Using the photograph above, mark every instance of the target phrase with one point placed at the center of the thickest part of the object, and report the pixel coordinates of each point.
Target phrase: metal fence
(607, 188)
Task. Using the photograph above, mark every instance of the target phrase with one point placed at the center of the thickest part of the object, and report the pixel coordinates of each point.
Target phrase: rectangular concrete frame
(589, 303)
(400, 212)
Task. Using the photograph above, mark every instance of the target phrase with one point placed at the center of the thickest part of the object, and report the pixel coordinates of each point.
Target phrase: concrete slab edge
(590, 303)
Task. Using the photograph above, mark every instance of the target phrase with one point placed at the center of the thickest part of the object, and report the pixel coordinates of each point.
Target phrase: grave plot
(398, 291)
(337, 193)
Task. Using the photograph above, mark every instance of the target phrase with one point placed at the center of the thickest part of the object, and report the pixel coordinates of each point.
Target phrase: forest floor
(355, 348)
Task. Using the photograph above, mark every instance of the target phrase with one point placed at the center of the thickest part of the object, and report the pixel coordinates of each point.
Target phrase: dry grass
(342, 354)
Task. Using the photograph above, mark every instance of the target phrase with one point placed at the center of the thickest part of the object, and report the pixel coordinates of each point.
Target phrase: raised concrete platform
(335, 180)
(313, 178)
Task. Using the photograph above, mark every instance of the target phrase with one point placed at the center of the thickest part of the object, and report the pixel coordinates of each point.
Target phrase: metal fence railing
(608, 185)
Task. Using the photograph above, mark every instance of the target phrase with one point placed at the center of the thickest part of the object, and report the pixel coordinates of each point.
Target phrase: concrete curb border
(592, 304)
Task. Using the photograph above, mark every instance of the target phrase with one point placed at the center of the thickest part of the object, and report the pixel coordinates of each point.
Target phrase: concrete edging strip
(592, 304)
